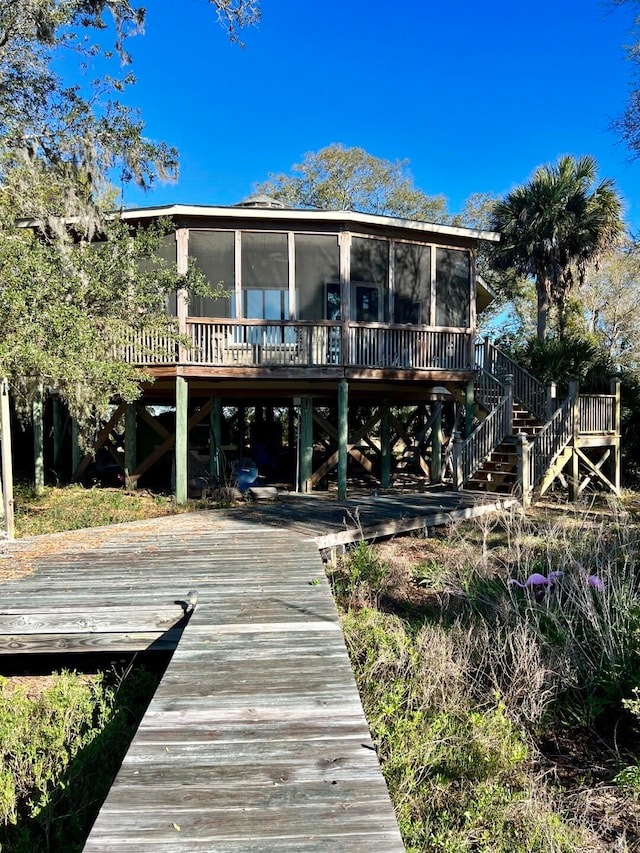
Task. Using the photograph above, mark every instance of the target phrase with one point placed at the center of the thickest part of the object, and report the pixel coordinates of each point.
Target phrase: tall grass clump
(455, 763)
(588, 619)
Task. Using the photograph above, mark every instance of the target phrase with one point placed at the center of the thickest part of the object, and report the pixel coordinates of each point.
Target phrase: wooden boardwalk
(255, 739)
(330, 523)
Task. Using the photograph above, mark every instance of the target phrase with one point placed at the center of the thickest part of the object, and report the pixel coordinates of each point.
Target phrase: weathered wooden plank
(22, 644)
(97, 619)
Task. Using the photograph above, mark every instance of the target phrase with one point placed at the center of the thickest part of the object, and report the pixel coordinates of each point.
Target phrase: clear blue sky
(475, 95)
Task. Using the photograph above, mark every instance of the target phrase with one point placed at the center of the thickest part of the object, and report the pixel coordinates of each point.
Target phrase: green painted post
(37, 420)
(215, 436)
(469, 400)
(343, 437)
(130, 444)
(385, 448)
(182, 407)
(6, 460)
(306, 443)
(57, 432)
(436, 445)
(76, 450)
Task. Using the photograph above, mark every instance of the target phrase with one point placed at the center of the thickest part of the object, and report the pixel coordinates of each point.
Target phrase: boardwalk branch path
(255, 739)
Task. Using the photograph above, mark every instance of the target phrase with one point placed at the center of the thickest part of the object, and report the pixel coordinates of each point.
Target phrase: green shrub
(360, 577)
(59, 753)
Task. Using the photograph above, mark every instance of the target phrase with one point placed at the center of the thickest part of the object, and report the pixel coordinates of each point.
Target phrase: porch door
(367, 303)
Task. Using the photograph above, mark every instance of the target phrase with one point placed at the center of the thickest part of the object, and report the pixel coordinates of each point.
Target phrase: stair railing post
(552, 397)
(487, 356)
(523, 451)
(458, 476)
(508, 387)
(574, 479)
(615, 462)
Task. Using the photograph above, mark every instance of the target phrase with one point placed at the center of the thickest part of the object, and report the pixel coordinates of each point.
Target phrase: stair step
(488, 486)
(505, 467)
(495, 476)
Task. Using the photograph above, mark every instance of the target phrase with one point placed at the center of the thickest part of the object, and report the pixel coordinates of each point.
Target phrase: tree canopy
(341, 178)
(554, 228)
(609, 299)
(74, 282)
(628, 123)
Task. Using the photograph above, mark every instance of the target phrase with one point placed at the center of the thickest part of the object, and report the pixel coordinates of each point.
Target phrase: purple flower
(595, 583)
(535, 579)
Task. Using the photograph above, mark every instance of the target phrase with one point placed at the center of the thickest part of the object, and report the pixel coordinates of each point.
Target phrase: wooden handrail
(470, 453)
(527, 390)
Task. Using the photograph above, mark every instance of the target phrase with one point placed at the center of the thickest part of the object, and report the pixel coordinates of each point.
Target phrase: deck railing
(488, 390)
(299, 343)
(527, 390)
(149, 348)
(548, 444)
(378, 345)
(470, 453)
(597, 413)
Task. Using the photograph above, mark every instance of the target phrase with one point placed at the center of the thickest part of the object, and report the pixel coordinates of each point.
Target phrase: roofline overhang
(296, 214)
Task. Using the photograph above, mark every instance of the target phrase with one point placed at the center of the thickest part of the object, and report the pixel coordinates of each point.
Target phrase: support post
(524, 473)
(508, 387)
(487, 356)
(343, 437)
(306, 443)
(6, 462)
(552, 399)
(76, 450)
(458, 474)
(57, 433)
(469, 400)
(385, 447)
(436, 445)
(130, 444)
(574, 479)
(615, 459)
(182, 439)
(215, 437)
(37, 422)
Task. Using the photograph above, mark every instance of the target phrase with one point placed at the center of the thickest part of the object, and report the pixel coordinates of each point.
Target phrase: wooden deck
(329, 523)
(255, 739)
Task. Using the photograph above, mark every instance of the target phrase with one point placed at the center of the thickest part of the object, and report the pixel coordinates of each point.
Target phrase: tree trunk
(542, 290)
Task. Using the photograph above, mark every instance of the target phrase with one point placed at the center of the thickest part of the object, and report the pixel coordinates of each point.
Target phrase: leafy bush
(360, 577)
(59, 753)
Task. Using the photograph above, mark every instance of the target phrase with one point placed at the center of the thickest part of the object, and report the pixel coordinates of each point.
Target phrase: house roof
(293, 214)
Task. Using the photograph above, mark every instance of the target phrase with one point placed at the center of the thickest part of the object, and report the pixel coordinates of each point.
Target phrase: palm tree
(556, 226)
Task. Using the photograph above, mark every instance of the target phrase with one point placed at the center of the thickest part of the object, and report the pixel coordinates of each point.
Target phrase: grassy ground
(506, 719)
(74, 508)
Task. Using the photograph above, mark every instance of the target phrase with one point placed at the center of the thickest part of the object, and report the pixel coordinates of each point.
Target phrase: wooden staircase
(499, 472)
(572, 441)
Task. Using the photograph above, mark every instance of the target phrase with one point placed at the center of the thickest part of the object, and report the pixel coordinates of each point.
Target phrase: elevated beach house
(344, 349)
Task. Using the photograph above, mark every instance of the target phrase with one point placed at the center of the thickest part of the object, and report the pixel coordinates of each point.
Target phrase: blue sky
(474, 95)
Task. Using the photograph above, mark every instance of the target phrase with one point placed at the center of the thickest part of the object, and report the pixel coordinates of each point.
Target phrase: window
(317, 262)
(369, 279)
(214, 254)
(367, 303)
(412, 284)
(453, 287)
